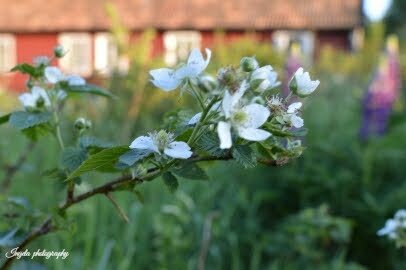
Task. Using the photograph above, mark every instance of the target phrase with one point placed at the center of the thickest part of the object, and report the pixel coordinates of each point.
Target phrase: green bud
(249, 64)
(59, 51)
(40, 102)
(29, 83)
(229, 78)
(82, 124)
(207, 83)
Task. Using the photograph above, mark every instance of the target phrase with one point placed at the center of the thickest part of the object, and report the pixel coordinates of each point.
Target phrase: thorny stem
(118, 184)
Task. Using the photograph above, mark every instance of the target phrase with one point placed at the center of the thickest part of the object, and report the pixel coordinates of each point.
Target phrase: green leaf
(244, 155)
(4, 119)
(134, 155)
(105, 158)
(55, 174)
(28, 69)
(34, 133)
(293, 133)
(139, 196)
(22, 120)
(88, 89)
(72, 158)
(190, 171)
(210, 143)
(170, 181)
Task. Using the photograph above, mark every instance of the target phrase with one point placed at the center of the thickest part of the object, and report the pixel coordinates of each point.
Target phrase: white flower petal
(235, 98)
(226, 104)
(253, 134)
(178, 150)
(144, 142)
(294, 107)
(196, 63)
(305, 86)
(28, 100)
(296, 121)
(38, 92)
(257, 115)
(165, 79)
(53, 74)
(195, 119)
(75, 80)
(224, 133)
(390, 227)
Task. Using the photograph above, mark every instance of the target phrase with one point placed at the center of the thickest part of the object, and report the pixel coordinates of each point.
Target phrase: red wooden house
(33, 27)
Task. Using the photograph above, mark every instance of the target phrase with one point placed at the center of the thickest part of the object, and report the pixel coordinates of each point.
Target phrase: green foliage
(23, 120)
(4, 119)
(103, 160)
(170, 181)
(244, 155)
(133, 156)
(87, 89)
(72, 158)
(191, 171)
(29, 69)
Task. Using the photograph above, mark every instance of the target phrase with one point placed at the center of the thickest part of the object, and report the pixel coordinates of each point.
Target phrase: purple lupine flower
(381, 94)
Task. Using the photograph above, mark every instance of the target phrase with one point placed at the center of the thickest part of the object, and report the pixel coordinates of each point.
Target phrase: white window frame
(10, 52)
(282, 40)
(178, 44)
(106, 55)
(68, 40)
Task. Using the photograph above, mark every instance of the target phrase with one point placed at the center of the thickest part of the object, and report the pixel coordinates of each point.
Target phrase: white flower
(55, 75)
(389, 229)
(162, 142)
(37, 97)
(292, 117)
(244, 120)
(169, 79)
(264, 78)
(301, 84)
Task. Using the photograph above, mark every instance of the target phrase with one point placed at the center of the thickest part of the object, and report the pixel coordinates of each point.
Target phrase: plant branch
(115, 185)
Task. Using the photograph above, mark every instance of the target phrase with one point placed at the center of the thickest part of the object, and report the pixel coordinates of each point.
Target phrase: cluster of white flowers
(395, 229)
(39, 97)
(239, 108)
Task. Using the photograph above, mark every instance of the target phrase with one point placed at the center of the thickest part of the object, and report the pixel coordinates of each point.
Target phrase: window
(7, 52)
(78, 57)
(106, 54)
(178, 45)
(283, 39)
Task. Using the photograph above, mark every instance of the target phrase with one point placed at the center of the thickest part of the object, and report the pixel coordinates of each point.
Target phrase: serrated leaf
(244, 155)
(170, 181)
(210, 143)
(34, 133)
(4, 119)
(134, 155)
(72, 158)
(190, 170)
(105, 158)
(54, 174)
(88, 89)
(27, 69)
(22, 120)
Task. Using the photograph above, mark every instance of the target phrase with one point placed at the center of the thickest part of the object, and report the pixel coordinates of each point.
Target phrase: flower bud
(82, 124)
(229, 78)
(59, 51)
(249, 64)
(301, 84)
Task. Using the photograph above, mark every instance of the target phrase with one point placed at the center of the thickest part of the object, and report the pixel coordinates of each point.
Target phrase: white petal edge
(165, 79)
(195, 119)
(144, 142)
(257, 115)
(253, 134)
(224, 133)
(53, 74)
(75, 80)
(178, 150)
(294, 107)
(40, 92)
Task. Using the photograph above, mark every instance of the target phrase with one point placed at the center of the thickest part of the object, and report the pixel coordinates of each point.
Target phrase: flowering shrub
(395, 229)
(241, 117)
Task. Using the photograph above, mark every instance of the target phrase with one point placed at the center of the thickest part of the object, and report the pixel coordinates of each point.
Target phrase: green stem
(205, 112)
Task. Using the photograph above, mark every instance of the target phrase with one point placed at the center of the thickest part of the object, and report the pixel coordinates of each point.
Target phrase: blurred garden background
(321, 211)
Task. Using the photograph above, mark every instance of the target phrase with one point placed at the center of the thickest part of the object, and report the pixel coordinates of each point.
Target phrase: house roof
(88, 15)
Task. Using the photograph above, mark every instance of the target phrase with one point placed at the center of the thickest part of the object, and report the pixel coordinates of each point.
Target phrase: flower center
(240, 117)
(162, 139)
